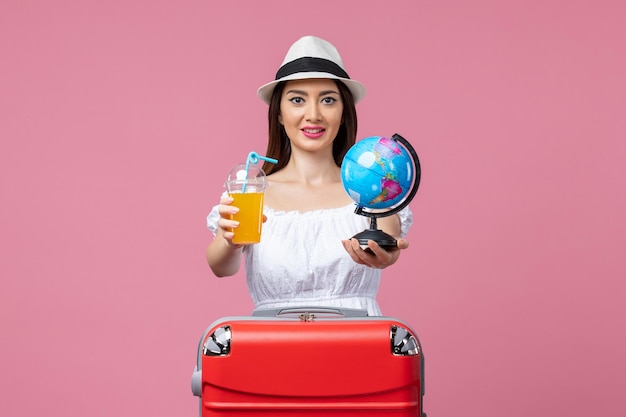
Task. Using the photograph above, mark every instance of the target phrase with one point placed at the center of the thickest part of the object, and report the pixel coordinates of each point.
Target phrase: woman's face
(311, 111)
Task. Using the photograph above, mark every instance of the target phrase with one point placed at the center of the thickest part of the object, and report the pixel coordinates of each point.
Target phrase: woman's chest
(296, 197)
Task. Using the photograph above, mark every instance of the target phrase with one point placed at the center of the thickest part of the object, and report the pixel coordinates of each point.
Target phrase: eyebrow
(304, 93)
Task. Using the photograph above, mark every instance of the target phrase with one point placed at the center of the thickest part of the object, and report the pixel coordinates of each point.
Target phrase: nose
(313, 112)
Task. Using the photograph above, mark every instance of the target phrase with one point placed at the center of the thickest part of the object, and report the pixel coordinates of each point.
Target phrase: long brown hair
(279, 147)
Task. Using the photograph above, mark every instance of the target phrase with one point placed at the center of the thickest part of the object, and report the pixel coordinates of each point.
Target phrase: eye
(329, 100)
(297, 100)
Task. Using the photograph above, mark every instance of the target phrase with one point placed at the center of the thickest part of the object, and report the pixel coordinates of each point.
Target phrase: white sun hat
(312, 57)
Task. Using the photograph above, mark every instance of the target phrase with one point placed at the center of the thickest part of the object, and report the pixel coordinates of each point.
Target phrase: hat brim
(356, 88)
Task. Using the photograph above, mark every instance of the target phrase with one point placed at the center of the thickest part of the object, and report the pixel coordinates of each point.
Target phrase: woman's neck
(310, 170)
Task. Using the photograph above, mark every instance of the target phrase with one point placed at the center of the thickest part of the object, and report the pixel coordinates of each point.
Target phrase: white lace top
(301, 261)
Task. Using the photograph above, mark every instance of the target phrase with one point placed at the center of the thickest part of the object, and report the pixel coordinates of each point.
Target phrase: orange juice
(250, 217)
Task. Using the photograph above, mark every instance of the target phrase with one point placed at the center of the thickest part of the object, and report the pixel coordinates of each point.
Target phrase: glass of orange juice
(246, 184)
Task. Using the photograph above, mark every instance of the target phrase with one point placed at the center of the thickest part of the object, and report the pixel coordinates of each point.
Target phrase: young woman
(306, 256)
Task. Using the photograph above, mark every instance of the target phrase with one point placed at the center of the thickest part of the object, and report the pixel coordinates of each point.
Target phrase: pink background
(119, 119)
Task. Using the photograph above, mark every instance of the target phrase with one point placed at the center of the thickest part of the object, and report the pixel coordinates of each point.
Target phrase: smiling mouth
(313, 130)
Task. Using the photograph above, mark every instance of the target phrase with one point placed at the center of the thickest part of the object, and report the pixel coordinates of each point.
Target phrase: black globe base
(383, 239)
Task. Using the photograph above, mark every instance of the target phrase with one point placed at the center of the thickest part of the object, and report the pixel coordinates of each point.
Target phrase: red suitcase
(309, 361)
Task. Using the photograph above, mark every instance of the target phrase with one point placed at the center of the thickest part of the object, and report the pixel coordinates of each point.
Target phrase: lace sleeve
(406, 220)
(212, 219)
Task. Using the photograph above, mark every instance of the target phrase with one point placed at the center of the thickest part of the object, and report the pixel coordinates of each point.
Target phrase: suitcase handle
(317, 311)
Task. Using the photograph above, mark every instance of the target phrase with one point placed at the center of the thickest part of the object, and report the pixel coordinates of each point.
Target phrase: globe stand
(384, 240)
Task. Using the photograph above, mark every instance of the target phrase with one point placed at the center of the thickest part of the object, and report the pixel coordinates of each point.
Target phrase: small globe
(377, 173)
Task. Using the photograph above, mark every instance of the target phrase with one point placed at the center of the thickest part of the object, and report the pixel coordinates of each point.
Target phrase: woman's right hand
(225, 224)
(224, 256)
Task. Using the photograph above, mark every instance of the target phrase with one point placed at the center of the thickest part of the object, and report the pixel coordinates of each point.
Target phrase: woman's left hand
(375, 257)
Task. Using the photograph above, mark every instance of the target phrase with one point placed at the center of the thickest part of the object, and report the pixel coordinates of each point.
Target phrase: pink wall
(119, 119)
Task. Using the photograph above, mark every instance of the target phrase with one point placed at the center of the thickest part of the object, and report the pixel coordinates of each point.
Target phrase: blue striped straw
(254, 157)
